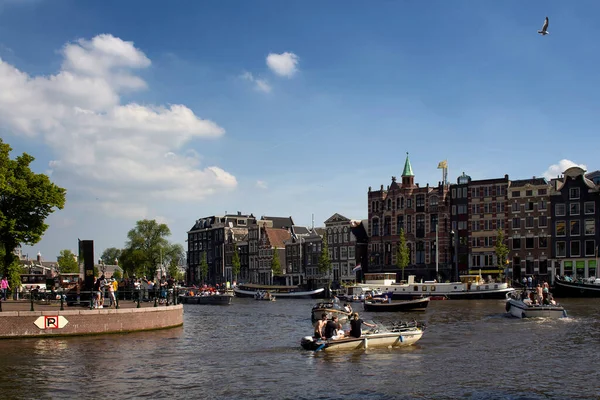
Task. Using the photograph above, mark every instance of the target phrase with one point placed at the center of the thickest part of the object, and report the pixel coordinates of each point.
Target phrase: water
(250, 350)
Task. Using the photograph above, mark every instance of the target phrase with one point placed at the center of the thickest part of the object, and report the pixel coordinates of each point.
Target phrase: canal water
(471, 349)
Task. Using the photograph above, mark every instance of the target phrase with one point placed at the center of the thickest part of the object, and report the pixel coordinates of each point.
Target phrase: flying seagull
(544, 30)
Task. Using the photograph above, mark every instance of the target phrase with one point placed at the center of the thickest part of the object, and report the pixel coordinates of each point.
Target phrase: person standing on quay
(5, 287)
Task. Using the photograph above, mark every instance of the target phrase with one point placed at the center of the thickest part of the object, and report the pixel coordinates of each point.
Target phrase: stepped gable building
(261, 273)
(529, 233)
(487, 214)
(341, 242)
(575, 229)
(208, 236)
(417, 210)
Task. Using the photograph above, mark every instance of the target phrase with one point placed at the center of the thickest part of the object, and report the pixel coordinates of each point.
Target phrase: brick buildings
(420, 212)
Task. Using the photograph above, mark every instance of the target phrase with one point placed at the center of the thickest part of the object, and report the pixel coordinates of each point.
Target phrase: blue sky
(179, 110)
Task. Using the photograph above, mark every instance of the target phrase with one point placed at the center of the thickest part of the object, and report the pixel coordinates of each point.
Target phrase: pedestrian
(5, 287)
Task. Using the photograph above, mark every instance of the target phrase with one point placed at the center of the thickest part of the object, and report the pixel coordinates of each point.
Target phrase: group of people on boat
(541, 295)
(333, 329)
(263, 295)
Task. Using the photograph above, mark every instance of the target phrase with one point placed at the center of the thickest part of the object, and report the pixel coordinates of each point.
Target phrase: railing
(90, 299)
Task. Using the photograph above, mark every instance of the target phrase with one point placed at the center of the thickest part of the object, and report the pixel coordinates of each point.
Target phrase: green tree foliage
(111, 256)
(203, 267)
(26, 200)
(236, 264)
(324, 264)
(147, 246)
(275, 263)
(67, 263)
(132, 261)
(501, 250)
(402, 253)
(117, 274)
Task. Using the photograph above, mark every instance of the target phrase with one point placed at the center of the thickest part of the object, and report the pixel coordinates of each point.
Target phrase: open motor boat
(521, 306)
(399, 335)
(330, 308)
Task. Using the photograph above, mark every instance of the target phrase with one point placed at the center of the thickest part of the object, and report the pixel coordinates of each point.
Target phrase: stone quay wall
(20, 324)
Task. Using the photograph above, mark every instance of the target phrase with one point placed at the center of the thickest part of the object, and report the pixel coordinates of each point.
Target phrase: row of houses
(549, 226)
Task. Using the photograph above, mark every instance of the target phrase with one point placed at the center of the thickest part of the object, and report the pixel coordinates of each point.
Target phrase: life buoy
(507, 306)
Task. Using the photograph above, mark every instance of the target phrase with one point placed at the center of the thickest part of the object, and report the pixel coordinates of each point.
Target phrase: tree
(203, 267)
(132, 262)
(26, 200)
(171, 256)
(117, 274)
(148, 245)
(501, 250)
(324, 264)
(275, 264)
(67, 263)
(111, 255)
(402, 253)
(236, 264)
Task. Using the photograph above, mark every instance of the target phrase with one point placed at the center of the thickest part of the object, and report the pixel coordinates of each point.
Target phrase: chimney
(239, 213)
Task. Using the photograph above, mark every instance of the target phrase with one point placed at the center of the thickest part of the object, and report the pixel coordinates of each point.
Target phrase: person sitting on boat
(332, 327)
(320, 327)
(356, 325)
(347, 307)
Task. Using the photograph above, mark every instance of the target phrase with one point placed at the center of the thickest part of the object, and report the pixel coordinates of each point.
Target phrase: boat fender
(507, 306)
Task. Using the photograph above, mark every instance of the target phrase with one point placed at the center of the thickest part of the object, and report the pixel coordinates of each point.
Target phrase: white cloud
(557, 169)
(261, 184)
(136, 153)
(284, 64)
(259, 84)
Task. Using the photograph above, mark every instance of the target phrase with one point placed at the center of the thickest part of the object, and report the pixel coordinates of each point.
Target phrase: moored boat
(213, 299)
(330, 309)
(469, 287)
(249, 290)
(398, 305)
(263, 295)
(566, 287)
(399, 335)
(524, 307)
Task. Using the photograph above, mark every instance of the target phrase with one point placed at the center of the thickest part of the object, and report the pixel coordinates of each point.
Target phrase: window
(408, 224)
(542, 205)
(575, 229)
(474, 192)
(575, 248)
(561, 249)
(559, 209)
(561, 228)
(543, 242)
(590, 227)
(433, 222)
(516, 243)
(529, 193)
(454, 193)
(488, 260)
(464, 193)
(453, 210)
(515, 207)
(420, 200)
(344, 252)
(399, 223)
(462, 209)
(529, 206)
(542, 192)
(516, 223)
(500, 224)
(529, 243)
(542, 221)
(515, 193)
(375, 227)
(409, 203)
(500, 207)
(476, 261)
(529, 222)
(574, 209)
(351, 252)
(590, 247)
(420, 253)
(589, 207)
(574, 193)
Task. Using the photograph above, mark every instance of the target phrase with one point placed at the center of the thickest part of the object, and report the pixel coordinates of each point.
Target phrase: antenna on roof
(313, 222)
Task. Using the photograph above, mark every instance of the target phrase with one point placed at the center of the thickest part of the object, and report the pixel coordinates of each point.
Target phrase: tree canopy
(324, 260)
(402, 253)
(203, 267)
(111, 256)
(236, 264)
(501, 250)
(67, 263)
(275, 263)
(26, 200)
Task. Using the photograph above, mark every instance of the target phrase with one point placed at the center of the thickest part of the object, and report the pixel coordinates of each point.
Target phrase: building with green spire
(408, 177)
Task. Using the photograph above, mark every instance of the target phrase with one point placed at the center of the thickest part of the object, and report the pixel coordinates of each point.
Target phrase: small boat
(263, 295)
(249, 290)
(401, 305)
(403, 334)
(214, 299)
(330, 308)
(567, 287)
(358, 293)
(523, 307)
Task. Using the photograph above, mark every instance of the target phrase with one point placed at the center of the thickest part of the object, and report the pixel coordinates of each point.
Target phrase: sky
(177, 110)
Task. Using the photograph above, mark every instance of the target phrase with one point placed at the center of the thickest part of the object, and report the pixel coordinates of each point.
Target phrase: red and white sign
(51, 322)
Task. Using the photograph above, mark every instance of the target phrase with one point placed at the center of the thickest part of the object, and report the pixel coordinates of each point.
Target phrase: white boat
(330, 309)
(399, 336)
(469, 287)
(525, 308)
(249, 290)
